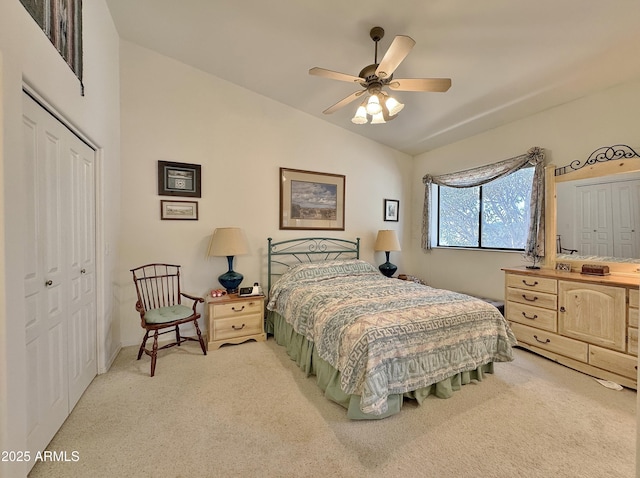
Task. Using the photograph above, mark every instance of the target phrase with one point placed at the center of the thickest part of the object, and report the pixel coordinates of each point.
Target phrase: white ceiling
(507, 59)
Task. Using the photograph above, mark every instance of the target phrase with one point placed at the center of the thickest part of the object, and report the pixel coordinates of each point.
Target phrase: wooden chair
(160, 307)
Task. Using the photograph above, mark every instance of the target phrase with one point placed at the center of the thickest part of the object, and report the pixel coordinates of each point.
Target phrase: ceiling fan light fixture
(361, 115)
(373, 105)
(393, 105)
(378, 118)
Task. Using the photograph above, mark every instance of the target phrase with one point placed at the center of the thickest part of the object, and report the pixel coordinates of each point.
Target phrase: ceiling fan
(373, 78)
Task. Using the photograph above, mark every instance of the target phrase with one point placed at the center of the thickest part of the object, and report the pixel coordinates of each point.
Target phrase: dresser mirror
(593, 211)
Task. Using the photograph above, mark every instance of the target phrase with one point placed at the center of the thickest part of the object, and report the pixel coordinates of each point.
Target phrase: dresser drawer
(551, 342)
(634, 298)
(237, 308)
(616, 362)
(534, 316)
(238, 326)
(632, 346)
(533, 298)
(541, 284)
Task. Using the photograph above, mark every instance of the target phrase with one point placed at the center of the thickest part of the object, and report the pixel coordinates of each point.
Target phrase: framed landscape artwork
(179, 210)
(179, 179)
(311, 200)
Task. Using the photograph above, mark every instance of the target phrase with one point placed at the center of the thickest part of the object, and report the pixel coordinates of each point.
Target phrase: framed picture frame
(563, 266)
(391, 210)
(179, 210)
(179, 179)
(311, 200)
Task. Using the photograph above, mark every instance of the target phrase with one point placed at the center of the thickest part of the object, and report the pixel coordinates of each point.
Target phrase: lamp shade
(387, 240)
(230, 242)
(227, 241)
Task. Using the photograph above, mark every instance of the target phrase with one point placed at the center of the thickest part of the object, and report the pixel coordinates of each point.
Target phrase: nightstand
(233, 320)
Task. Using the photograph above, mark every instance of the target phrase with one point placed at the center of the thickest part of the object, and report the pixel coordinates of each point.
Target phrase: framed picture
(391, 210)
(178, 179)
(179, 210)
(563, 266)
(311, 200)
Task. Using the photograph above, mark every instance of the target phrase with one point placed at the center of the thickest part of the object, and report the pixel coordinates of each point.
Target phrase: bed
(372, 341)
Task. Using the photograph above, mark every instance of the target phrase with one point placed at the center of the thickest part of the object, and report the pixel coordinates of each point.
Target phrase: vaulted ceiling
(507, 59)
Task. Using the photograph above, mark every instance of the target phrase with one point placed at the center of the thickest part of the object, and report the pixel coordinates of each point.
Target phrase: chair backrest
(157, 285)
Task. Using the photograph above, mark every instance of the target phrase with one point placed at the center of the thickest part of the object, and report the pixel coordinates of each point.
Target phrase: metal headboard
(284, 254)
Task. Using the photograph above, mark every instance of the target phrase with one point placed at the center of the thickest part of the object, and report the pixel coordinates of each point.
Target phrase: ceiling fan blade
(399, 49)
(344, 102)
(438, 85)
(334, 75)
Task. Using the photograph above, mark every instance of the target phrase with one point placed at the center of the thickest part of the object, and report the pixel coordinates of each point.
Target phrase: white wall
(27, 55)
(567, 132)
(173, 112)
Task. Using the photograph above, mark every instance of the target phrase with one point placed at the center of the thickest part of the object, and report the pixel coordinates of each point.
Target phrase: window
(492, 216)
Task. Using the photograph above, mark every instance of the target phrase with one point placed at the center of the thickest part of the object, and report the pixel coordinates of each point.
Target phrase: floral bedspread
(388, 336)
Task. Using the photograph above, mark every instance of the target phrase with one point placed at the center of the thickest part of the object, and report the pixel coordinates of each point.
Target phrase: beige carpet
(247, 410)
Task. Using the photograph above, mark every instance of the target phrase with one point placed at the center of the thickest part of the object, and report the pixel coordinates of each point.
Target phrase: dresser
(234, 319)
(588, 323)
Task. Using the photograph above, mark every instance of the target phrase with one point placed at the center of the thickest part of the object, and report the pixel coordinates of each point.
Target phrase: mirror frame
(596, 166)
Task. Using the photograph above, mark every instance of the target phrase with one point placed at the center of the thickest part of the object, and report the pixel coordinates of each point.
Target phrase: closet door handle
(49, 283)
(562, 309)
(83, 271)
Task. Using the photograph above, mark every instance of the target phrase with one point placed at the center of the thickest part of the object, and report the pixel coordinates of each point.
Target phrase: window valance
(484, 174)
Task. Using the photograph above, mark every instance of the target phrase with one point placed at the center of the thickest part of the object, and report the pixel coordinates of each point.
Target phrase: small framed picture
(563, 266)
(179, 210)
(179, 179)
(391, 210)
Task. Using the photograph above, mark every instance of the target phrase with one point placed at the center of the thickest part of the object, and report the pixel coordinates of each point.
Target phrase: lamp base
(230, 280)
(388, 269)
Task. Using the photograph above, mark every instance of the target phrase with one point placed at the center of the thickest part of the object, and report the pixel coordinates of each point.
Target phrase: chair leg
(178, 335)
(142, 345)
(154, 353)
(202, 345)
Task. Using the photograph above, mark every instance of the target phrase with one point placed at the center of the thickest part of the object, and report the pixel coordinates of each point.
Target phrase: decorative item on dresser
(387, 241)
(229, 242)
(588, 323)
(234, 319)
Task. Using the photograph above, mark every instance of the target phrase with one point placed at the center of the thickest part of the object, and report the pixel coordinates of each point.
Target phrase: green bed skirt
(303, 352)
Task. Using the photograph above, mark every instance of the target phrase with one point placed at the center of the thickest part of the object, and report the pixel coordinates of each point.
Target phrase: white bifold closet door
(60, 273)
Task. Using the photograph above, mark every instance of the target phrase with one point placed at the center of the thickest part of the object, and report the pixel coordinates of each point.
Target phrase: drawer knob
(535, 316)
(238, 310)
(237, 328)
(530, 300)
(535, 283)
(542, 342)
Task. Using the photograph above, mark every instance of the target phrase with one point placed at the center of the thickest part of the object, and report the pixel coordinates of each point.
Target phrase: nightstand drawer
(551, 342)
(616, 362)
(532, 316)
(239, 326)
(532, 297)
(541, 284)
(237, 308)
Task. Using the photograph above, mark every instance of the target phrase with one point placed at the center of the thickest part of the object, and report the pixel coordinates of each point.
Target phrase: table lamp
(229, 242)
(387, 241)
